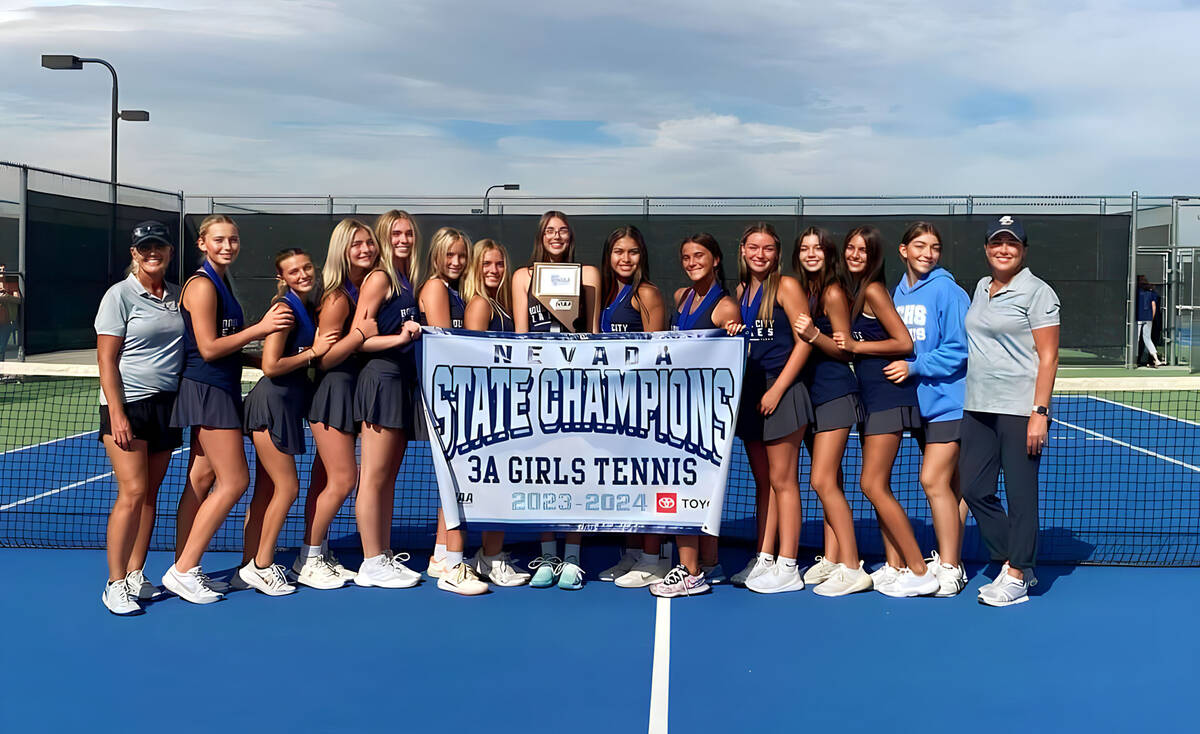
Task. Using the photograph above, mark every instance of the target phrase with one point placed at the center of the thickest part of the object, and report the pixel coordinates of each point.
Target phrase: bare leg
(159, 461)
(376, 492)
(879, 455)
(226, 453)
(131, 469)
(939, 478)
(339, 475)
(689, 552)
(281, 471)
(828, 449)
(783, 460)
(200, 479)
(764, 499)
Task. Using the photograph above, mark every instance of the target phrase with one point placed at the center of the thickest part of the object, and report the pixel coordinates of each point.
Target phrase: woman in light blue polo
(1012, 360)
(139, 348)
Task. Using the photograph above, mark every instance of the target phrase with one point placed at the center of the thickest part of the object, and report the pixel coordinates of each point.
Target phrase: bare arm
(1045, 341)
(435, 303)
(837, 308)
(108, 357)
(650, 306)
(726, 313)
(478, 315)
(200, 299)
(899, 341)
(370, 300)
(333, 314)
(520, 300)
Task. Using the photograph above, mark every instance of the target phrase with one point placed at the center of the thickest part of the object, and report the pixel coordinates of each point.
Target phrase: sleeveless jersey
(226, 372)
(620, 315)
(826, 378)
(878, 392)
(686, 320)
(771, 341)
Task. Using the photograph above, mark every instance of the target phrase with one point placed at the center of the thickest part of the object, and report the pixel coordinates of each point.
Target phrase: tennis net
(1120, 479)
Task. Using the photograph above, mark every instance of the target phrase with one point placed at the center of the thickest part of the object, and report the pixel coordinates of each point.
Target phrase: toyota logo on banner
(666, 502)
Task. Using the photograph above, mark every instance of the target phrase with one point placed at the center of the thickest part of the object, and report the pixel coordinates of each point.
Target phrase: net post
(1131, 341)
(22, 283)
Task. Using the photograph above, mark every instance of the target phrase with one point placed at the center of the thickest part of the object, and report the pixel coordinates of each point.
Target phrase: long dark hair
(770, 286)
(608, 280)
(833, 272)
(872, 273)
(708, 242)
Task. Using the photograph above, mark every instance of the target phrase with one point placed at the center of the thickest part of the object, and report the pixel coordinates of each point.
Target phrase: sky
(704, 97)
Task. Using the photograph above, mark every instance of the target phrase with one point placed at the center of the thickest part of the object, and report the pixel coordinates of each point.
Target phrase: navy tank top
(686, 320)
(540, 320)
(826, 378)
(620, 315)
(501, 321)
(298, 339)
(351, 364)
(394, 311)
(771, 341)
(878, 392)
(226, 372)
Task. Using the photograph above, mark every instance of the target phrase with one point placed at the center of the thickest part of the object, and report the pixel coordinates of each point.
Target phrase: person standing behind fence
(1012, 341)
(10, 314)
(933, 307)
(210, 402)
(274, 412)
(353, 252)
(1147, 310)
(139, 348)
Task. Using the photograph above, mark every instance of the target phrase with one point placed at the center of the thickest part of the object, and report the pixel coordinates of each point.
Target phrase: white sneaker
(498, 569)
(139, 587)
(628, 560)
(884, 575)
(819, 571)
(776, 579)
(191, 585)
(999, 577)
(462, 579)
(951, 579)
(317, 573)
(714, 574)
(385, 571)
(270, 580)
(436, 568)
(1009, 591)
(908, 584)
(343, 573)
(648, 570)
(754, 567)
(117, 599)
(844, 581)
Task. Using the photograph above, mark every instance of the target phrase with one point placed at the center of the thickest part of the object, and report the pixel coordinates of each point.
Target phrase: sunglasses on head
(151, 229)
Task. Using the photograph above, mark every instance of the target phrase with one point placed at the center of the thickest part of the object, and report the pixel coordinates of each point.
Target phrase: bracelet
(815, 337)
(361, 333)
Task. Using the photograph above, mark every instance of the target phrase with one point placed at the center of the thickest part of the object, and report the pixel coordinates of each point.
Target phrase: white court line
(660, 678)
(1131, 447)
(1132, 407)
(66, 487)
(46, 443)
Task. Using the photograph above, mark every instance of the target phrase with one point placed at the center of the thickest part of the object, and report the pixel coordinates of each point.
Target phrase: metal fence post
(22, 281)
(331, 206)
(182, 234)
(1170, 297)
(1131, 346)
(645, 206)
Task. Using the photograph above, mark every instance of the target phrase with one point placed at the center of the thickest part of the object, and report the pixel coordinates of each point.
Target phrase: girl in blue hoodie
(933, 307)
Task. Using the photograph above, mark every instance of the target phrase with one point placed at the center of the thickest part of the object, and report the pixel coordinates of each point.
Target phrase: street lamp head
(512, 187)
(135, 116)
(61, 61)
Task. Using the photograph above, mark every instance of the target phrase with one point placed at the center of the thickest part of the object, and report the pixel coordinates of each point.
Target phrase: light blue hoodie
(933, 309)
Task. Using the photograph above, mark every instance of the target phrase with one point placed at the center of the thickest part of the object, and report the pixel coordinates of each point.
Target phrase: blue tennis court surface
(1097, 649)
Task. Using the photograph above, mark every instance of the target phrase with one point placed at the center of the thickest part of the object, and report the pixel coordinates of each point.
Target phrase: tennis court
(1121, 485)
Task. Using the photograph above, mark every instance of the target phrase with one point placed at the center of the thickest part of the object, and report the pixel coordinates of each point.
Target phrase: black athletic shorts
(149, 420)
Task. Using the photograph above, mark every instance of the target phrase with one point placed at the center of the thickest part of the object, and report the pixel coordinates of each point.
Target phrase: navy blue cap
(150, 231)
(1008, 224)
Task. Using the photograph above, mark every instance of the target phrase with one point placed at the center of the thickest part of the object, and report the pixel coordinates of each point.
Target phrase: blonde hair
(383, 237)
(281, 288)
(472, 280)
(210, 220)
(770, 286)
(440, 244)
(336, 272)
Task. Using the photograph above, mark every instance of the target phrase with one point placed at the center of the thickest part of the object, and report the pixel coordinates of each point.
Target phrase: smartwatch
(1041, 410)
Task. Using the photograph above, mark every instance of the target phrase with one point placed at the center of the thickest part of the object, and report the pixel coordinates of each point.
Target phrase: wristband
(815, 337)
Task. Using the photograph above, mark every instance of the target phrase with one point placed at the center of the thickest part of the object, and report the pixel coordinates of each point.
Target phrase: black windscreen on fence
(1084, 257)
(74, 250)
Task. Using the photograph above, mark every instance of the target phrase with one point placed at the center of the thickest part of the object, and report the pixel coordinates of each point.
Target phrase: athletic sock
(453, 558)
(260, 568)
(310, 551)
(439, 553)
(649, 557)
(787, 562)
(766, 557)
(571, 549)
(548, 547)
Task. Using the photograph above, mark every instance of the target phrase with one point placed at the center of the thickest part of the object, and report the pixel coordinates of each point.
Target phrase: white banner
(582, 432)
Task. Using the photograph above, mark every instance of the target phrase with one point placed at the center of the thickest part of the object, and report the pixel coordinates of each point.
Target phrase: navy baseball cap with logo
(1008, 224)
(149, 232)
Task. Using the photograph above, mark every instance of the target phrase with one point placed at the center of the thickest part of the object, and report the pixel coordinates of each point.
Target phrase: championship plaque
(557, 286)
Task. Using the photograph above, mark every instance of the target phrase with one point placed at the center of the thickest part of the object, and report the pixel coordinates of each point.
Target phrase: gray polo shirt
(151, 357)
(1002, 363)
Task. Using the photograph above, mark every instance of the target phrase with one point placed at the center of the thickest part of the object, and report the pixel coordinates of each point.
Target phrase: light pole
(61, 61)
(507, 187)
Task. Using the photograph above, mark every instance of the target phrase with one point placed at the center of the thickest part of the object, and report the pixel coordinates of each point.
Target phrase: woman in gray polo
(139, 347)
(1012, 359)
